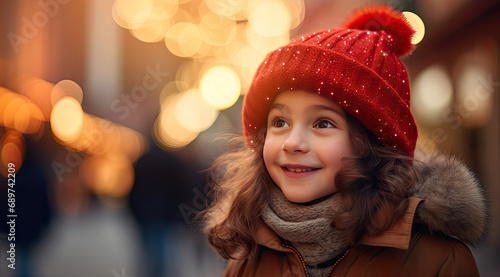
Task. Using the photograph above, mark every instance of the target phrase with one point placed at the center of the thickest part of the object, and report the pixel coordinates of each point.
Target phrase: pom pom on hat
(385, 18)
(357, 66)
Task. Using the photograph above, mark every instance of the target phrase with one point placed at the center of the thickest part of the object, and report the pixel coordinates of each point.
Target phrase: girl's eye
(279, 123)
(324, 124)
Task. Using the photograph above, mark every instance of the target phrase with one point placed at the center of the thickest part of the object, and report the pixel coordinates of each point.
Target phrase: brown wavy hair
(374, 183)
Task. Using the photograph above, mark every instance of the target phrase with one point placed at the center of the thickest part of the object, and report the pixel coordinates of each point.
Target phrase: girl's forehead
(303, 99)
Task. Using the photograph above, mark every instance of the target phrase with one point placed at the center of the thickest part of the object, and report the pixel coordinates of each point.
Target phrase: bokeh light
(225, 42)
(163, 9)
(171, 88)
(217, 30)
(194, 113)
(11, 109)
(117, 17)
(66, 88)
(474, 96)
(6, 96)
(432, 94)
(189, 74)
(168, 132)
(19, 113)
(102, 137)
(112, 149)
(133, 12)
(12, 149)
(270, 18)
(39, 92)
(297, 12)
(220, 86)
(108, 176)
(224, 8)
(125, 142)
(152, 30)
(417, 24)
(265, 44)
(28, 119)
(66, 119)
(184, 39)
(155, 27)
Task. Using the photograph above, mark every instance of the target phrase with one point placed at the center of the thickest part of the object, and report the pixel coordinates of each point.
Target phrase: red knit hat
(357, 66)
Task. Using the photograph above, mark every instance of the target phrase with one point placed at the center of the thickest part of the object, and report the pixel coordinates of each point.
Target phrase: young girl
(325, 183)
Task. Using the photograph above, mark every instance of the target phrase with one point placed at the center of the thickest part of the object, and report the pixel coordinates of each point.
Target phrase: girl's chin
(305, 199)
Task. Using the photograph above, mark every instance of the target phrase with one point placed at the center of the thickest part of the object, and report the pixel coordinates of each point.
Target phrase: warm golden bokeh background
(110, 110)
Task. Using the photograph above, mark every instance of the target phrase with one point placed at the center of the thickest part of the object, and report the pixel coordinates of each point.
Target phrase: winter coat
(447, 209)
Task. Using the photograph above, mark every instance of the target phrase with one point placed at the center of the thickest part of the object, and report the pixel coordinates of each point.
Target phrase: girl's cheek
(265, 152)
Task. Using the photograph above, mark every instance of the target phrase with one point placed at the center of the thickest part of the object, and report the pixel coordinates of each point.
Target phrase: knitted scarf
(308, 229)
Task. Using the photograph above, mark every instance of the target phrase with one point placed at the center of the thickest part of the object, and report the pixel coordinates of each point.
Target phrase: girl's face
(307, 137)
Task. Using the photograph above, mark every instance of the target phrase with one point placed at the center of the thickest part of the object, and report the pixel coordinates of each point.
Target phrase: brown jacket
(397, 252)
(448, 209)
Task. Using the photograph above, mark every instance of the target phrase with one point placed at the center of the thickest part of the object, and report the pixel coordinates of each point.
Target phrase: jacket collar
(266, 237)
(399, 235)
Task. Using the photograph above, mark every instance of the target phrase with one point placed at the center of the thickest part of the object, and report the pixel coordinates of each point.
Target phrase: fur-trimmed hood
(455, 202)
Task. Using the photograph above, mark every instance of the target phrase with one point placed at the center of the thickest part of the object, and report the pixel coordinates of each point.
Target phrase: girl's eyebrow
(323, 107)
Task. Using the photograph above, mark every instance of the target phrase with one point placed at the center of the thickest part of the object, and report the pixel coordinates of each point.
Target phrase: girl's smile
(307, 137)
(298, 171)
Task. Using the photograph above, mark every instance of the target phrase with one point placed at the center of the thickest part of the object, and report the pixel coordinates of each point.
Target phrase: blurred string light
(111, 149)
(19, 113)
(225, 40)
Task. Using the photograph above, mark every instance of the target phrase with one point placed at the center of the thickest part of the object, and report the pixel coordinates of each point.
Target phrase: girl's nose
(296, 142)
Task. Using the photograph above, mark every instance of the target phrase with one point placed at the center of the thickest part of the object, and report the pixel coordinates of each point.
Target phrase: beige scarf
(308, 228)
